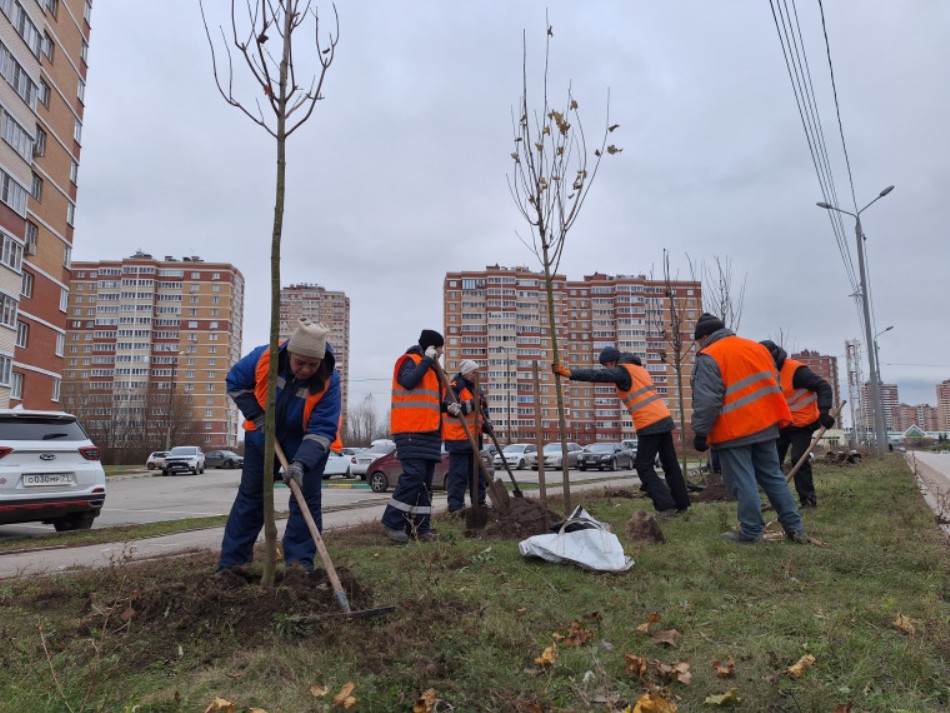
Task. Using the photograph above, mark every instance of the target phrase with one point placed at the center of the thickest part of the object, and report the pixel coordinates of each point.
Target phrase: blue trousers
(744, 469)
(247, 514)
(410, 508)
(460, 479)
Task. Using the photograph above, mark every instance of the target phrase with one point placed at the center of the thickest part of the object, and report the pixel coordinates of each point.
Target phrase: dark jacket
(620, 377)
(419, 446)
(459, 383)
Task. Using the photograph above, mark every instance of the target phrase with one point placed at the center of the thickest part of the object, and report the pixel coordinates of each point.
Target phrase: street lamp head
(885, 191)
(826, 206)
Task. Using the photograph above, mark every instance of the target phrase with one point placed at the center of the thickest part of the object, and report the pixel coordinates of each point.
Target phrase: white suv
(184, 458)
(50, 471)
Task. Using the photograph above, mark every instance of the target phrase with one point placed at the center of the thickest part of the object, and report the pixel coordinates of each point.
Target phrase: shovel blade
(476, 518)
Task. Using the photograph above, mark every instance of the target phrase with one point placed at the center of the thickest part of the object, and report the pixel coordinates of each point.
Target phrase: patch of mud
(525, 518)
(643, 527)
(714, 492)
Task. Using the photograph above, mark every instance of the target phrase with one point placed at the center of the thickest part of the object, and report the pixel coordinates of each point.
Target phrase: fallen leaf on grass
(724, 699)
(576, 635)
(319, 691)
(343, 698)
(667, 636)
(548, 656)
(221, 704)
(724, 669)
(905, 624)
(843, 708)
(678, 670)
(426, 702)
(645, 626)
(257, 710)
(652, 703)
(636, 665)
(798, 670)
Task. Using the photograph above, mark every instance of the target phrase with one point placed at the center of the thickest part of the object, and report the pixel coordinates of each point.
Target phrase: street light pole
(880, 428)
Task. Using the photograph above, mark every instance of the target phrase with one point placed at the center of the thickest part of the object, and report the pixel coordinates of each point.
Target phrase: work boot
(738, 537)
(430, 536)
(809, 505)
(797, 536)
(666, 514)
(399, 536)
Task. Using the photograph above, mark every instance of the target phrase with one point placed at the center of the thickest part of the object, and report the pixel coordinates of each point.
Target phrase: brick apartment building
(43, 52)
(321, 305)
(499, 317)
(924, 416)
(891, 399)
(943, 406)
(148, 346)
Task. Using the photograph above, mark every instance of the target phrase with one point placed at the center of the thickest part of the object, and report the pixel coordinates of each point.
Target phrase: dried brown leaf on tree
(666, 636)
(724, 669)
(613, 149)
(221, 704)
(730, 697)
(905, 623)
(798, 670)
(615, 126)
(426, 702)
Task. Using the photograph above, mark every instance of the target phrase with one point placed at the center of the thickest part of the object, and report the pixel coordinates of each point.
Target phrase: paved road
(132, 499)
(933, 475)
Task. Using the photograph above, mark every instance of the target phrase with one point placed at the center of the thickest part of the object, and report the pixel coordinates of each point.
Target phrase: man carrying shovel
(307, 414)
(472, 408)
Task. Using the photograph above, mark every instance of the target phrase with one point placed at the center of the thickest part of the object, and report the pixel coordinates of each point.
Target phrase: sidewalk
(52, 561)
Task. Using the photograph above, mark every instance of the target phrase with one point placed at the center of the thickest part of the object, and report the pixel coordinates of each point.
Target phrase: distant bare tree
(364, 424)
(274, 76)
(721, 296)
(553, 172)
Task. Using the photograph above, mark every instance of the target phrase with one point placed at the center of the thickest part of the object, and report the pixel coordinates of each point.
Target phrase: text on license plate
(40, 479)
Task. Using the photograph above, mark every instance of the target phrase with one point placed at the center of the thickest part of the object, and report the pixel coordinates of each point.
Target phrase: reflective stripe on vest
(260, 391)
(415, 410)
(802, 402)
(452, 428)
(753, 400)
(642, 400)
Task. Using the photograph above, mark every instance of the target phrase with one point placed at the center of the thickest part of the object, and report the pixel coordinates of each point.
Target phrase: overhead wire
(796, 64)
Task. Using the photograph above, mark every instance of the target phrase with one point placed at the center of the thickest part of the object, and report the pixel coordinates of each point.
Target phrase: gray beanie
(609, 354)
(706, 325)
(309, 339)
(467, 367)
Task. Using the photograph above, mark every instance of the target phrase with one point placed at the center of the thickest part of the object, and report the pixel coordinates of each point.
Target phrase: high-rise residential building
(825, 366)
(889, 397)
(924, 416)
(321, 305)
(43, 46)
(943, 406)
(499, 316)
(148, 345)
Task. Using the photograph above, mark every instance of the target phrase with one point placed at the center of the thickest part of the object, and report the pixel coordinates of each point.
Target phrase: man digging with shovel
(461, 455)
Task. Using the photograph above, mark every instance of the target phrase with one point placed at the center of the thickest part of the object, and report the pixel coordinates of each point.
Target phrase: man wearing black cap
(809, 398)
(416, 422)
(738, 407)
(651, 420)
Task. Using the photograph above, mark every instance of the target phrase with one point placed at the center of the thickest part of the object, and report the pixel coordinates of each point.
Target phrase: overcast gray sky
(400, 175)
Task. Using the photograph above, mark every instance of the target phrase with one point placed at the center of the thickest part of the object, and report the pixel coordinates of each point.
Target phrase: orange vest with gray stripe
(645, 405)
(802, 402)
(753, 400)
(260, 391)
(417, 410)
(453, 431)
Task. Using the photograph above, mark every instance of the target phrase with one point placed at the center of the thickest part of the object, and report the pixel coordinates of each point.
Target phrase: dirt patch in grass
(525, 518)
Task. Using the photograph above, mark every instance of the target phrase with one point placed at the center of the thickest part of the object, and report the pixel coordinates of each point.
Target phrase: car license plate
(32, 480)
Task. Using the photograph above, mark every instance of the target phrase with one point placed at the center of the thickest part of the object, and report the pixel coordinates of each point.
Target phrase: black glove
(826, 419)
(258, 421)
(699, 442)
(487, 428)
(294, 472)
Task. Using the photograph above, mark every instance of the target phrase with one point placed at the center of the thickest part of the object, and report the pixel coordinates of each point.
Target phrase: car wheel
(151, 466)
(201, 469)
(520, 465)
(378, 482)
(164, 472)
(76, 521)
(229, 464)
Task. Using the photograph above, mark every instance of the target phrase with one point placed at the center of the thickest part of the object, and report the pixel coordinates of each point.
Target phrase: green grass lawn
(871, 604)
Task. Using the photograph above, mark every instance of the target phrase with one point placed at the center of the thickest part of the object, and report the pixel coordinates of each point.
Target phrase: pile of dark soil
(525, 518)
(714, 492)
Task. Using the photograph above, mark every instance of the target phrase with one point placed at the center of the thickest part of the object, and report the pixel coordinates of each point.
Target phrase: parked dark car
(383, 473)
(223, 459)
(610, 456)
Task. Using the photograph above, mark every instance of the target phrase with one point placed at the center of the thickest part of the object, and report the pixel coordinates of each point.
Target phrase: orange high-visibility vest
(753, 400)
(802, 402)
(452, 430)
(415, 410)
(260, 391)
(645, 405)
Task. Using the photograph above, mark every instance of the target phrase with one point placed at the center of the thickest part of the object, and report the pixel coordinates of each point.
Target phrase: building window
(77, 132)
(6, 369)
(47, 47)
(74, 172)
(32, 233)
(57, 384)
(84, 52)
(68, 255)
(53, 7)
(26, 286)
(87, 11)
(36, 187)
(18, 137)
(22, 334)
(81, 91)
(12, 193)
(43, 93)
(39, 143)
(11, 252)
(71, 213)
(16, 386)
(60, 344)
(64, 300)
(8, 307)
